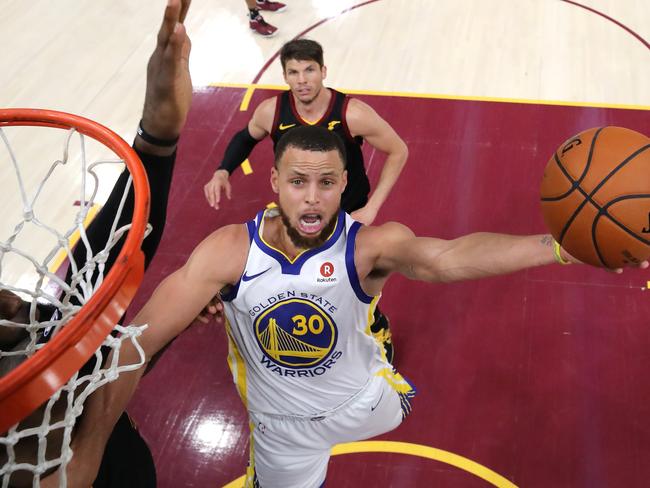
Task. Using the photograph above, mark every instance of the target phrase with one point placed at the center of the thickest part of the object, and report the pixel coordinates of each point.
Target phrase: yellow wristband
(556, 254)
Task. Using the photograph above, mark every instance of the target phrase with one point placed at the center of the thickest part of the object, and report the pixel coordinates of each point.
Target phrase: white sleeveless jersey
(299, 331)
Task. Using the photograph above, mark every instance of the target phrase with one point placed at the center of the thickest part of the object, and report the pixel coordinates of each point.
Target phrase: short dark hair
(301, 50)
(310, 138)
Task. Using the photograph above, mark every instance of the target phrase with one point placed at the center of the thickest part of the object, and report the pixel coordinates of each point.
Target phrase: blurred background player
(309, 102)
(257, 22)
(126, 461)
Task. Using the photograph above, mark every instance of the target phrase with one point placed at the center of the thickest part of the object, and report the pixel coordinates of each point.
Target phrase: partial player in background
(126, 461)
(256, 21)
(309, 102)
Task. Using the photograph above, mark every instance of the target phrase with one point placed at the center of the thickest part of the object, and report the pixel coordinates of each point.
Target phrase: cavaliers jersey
(287, 117)
(299, 330)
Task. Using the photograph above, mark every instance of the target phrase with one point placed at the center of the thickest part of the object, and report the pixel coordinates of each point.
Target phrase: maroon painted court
(539, 376)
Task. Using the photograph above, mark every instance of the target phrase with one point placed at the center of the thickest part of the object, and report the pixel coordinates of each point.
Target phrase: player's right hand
(214, 187)
(566, 256)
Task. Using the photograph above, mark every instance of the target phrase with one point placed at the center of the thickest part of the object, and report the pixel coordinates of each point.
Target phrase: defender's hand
(366, 215)
(215, 186)
(169, 85)
(213, 310)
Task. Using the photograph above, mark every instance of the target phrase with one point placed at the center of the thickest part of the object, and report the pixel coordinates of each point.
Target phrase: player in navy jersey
(299, 284)
(309, 102)
(126, 461)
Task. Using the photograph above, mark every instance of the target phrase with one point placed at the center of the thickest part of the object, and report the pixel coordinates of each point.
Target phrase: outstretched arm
(217, 261)
(167, 101)
(365, 122)
(472, 256)
(393, 247)
(169, 86)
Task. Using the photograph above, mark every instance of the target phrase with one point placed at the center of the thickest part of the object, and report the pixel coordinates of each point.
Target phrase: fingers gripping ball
(596, 196)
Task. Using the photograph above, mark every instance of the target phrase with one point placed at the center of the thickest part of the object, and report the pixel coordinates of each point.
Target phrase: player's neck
(275, 235)
(314, 111)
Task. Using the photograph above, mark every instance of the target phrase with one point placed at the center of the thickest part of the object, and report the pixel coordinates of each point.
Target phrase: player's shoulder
(262, 119)
(361, 117)
(223, 252)
(264, 114)
(387, 229)
(358, 107)
(224, 244)
(229, 235)
(376, 242)
(267, 106)
(379, 236)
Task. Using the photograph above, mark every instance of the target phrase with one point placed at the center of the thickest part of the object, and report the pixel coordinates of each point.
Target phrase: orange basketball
(596, 196)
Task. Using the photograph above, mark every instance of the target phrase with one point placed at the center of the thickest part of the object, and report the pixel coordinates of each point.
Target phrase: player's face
(309, 186)
(305, 78)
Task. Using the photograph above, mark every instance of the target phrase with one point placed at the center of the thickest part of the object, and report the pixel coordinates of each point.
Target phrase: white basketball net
(41, 443)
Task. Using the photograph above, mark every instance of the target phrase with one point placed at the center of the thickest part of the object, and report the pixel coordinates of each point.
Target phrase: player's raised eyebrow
(295, 172)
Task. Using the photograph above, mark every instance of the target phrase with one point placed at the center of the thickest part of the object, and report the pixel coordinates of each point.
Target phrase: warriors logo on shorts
(296, 333)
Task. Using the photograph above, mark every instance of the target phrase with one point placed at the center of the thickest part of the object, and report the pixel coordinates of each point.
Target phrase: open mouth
(310, 223)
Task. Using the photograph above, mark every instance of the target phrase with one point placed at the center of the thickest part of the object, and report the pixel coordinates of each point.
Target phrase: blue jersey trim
(293, 268)
(250, 227)
(232, 294)
(349, 264)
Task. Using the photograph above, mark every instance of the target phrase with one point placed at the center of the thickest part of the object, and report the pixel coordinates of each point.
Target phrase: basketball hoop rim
(29, 385)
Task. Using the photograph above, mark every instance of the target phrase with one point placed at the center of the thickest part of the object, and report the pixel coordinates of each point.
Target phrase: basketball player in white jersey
(299, 285)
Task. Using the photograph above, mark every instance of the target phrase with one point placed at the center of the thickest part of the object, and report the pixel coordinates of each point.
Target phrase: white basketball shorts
(290, 452)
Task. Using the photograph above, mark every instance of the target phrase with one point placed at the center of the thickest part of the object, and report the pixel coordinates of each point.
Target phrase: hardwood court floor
(538, 376)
